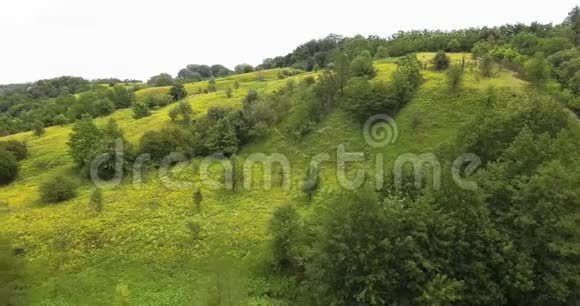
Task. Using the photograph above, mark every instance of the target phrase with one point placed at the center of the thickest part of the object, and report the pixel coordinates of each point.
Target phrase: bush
(140, 110)
(455, 78)
(441, 61)
(486, 66)
(178, 92)
(8, 167)
(60, 119)
(15, 147)
(286, 228)
(363, 99)
(166, 141)
(58, 189)
(362, 66)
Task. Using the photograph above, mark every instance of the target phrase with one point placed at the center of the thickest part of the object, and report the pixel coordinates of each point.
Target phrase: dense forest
(508, 95)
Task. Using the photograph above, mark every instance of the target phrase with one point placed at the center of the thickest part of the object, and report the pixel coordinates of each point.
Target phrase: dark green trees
(88, 142)
(222, 138)
(363, 98)
(163, 79)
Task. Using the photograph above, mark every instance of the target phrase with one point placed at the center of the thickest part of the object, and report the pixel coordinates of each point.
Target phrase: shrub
(8, 167)
(140, 110)
(362, 66)
(486, 66)
(285, 227)
(58, 189)
(178, 92)
(229, 92)
(455, 78)
(38, 128)
(15, 147)
(363, 98)
(166, 141)
(441, 61)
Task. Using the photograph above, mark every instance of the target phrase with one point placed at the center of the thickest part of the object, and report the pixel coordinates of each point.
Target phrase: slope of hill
(142, 240)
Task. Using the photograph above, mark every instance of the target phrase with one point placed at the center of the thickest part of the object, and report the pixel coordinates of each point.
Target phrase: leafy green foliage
(140, 110)
(362, 66)
(538, 70)
(38, 128)
(286, 230)
(486, 66)
(8, 167)
(455, 79)
(18, 148)
(177, 92)
(406, 79)
(58, 189)
(441, 61)
(364, 99)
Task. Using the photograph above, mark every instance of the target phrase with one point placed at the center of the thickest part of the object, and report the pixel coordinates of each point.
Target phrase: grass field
(141, 239)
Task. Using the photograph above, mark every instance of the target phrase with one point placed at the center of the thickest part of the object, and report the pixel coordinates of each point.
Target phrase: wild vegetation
(506, 234)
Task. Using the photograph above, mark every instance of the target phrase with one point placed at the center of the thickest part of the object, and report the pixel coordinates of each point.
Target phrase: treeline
(196, 73)
(20, 111)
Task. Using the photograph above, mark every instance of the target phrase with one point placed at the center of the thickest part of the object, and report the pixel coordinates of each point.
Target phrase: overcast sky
(139, 38)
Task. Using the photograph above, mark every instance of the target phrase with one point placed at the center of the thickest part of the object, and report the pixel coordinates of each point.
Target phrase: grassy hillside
(142, 239)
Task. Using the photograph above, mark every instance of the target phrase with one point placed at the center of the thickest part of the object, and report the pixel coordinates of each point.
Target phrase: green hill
(142, 240)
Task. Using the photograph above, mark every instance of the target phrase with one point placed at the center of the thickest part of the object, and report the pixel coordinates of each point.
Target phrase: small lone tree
(197, 200)
(362, 66)
(96, 200)
(441, 61)
(211, 86)
(38, 128)
(140, 110)
(486, 66)
(455, 79)
(229, 92)
(8, 167)
(237, 172)
(236, 85)
(311, 182)
(178, 92)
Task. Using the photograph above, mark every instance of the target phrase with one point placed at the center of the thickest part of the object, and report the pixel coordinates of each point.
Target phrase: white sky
(137, 39)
